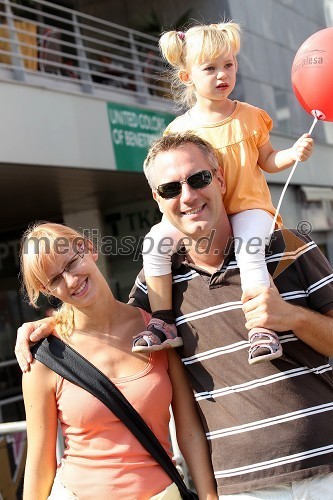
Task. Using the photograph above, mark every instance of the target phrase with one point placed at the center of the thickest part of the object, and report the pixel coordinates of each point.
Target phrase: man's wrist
(298, 318)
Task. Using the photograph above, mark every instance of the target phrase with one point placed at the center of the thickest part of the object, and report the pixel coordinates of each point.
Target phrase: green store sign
(132, 131)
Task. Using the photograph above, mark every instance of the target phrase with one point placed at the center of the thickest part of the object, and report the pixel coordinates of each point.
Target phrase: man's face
(194, 212)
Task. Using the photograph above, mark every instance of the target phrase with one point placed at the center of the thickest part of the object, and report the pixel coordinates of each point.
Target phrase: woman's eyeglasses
(71, 267)
(196, 181)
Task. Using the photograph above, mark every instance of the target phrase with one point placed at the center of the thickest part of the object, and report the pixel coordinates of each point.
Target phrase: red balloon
(312, 74)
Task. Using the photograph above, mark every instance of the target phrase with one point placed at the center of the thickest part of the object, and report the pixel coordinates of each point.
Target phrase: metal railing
(8, 362)
(12, 427)
(69, 46)
(21, 426)
(8, 480)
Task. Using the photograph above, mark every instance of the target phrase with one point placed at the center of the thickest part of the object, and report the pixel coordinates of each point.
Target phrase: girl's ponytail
(172, 46)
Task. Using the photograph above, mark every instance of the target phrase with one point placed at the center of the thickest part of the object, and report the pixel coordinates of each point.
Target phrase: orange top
(102, 457)
(237, 140)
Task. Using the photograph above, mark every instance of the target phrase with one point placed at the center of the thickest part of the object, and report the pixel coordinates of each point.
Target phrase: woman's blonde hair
(182, 49)
(41, 243)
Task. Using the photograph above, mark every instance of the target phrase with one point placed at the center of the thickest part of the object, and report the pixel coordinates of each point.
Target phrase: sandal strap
(258, 333)
(263, 338)
(149, 337)
(260, 339)
(272, 347)
(169, 331)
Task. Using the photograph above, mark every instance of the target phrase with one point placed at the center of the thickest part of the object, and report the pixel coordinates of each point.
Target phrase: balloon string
(287, 184)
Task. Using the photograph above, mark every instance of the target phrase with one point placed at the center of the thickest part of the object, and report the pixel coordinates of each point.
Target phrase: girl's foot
(264, 345)
(159, 335)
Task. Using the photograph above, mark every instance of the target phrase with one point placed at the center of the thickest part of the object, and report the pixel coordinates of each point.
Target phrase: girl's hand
(303, 147)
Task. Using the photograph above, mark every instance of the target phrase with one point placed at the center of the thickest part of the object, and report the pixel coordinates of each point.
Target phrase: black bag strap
(69, 364)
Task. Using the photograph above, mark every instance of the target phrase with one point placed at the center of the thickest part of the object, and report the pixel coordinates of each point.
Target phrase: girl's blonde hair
(41, 244)
(183, 49)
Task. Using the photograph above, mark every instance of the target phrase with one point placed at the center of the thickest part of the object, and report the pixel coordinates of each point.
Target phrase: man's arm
(31, 332)
(34, 331)
(28, 334)
(266, 308)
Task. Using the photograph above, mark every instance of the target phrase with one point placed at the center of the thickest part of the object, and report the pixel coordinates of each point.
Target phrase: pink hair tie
(181, 35)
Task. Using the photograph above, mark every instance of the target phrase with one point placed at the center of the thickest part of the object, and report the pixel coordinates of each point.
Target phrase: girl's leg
(251, 230)
(160, 292)
(159, 245)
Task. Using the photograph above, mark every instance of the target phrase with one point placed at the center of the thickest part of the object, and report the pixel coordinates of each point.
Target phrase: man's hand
(264, 307)
(28, 334)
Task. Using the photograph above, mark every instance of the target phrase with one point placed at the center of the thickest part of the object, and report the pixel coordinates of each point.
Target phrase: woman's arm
(41, 414)
(190, 433)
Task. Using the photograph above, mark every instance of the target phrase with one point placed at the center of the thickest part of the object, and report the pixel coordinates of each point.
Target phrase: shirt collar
(181, 258)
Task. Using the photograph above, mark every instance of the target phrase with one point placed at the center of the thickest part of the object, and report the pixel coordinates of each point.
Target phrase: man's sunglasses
(196, 181)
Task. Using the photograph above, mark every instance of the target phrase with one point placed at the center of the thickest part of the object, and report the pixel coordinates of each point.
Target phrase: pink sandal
(264, 345)
(148, 341)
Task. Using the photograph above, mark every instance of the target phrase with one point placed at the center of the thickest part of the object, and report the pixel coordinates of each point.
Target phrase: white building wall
(46, 127)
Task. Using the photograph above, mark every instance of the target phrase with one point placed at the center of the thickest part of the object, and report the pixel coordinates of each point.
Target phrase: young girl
(102, 458)
(204, 75)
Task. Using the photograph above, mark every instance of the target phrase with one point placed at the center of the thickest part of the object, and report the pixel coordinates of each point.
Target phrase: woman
(102, 458)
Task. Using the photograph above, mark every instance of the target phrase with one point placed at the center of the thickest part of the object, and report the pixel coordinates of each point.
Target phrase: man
(269, 425)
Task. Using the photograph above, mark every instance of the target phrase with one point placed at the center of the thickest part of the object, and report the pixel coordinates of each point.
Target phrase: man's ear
(221, 181)
(184, 77)
(158, 199)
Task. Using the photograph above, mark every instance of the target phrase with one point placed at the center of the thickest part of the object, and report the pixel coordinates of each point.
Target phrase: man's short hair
(173, 141)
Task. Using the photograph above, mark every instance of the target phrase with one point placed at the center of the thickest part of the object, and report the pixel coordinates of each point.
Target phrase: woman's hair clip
(181, 35)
